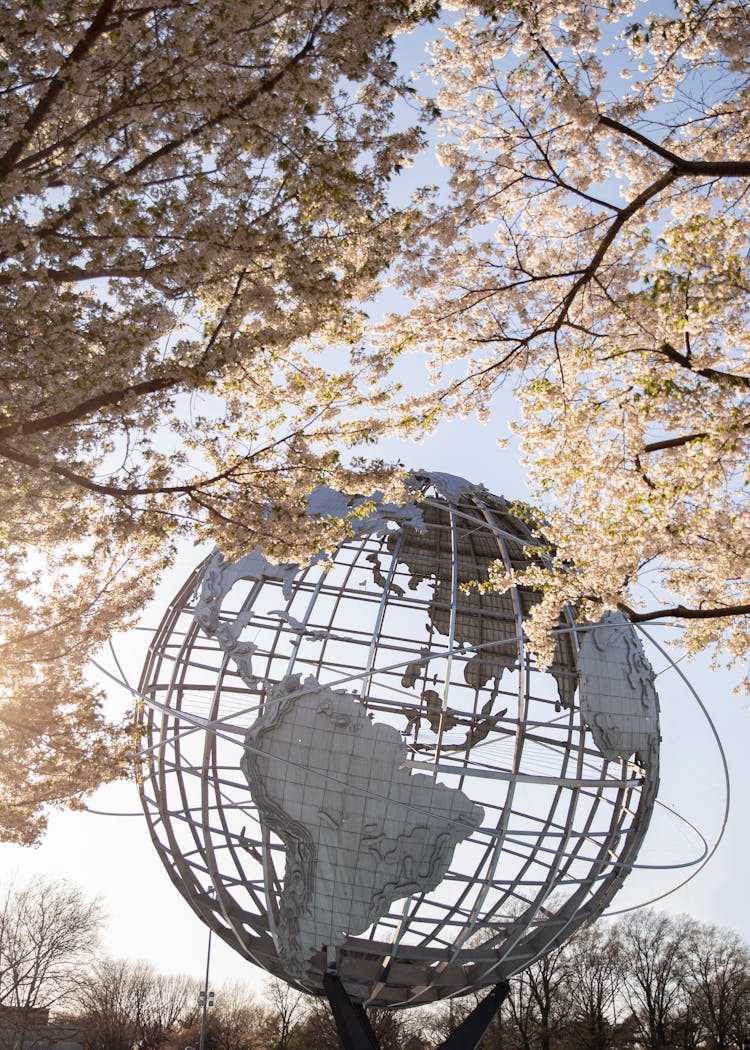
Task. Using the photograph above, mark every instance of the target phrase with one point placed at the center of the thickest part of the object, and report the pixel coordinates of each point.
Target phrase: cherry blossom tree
(193, 198)
(594, 254)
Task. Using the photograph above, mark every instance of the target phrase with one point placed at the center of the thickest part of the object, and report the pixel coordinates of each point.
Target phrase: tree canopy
(195, 204)
(647, 980)
(593, 252)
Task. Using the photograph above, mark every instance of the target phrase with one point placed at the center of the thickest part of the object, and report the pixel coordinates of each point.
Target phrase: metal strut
(356, 1032)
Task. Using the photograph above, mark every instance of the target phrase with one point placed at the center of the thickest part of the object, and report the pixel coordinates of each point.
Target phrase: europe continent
(359, 831)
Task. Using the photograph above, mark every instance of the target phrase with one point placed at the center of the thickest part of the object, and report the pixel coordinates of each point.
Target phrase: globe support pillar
(356, 1032)
(351, 1020)
(469, 1033)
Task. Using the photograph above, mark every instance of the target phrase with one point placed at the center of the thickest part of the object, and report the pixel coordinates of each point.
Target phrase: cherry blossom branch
(266, 85)
(219, 326)
(72, 616)
(717, 169)
(75, 136)
(187, 489)
(622, 217)
(683, 612)
(109, 399)
(127, 102)
(555, 177)
(675, 442)
(714, 168)
(27, 459)
(97, 26)
(127, 492)
(113, 398)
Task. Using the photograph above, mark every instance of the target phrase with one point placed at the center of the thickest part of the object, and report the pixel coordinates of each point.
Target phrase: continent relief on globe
(359, 831)
(618, 698)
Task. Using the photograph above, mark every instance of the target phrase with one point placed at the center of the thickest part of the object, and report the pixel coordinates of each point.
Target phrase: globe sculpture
(356, 767)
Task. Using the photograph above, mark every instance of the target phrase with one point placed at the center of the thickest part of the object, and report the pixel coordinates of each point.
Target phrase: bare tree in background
(593, 969)
(718, 983)
(654, 973)
(288, 1008)
(239, 1020)
(48, 930)
(539, 1003)
(129, 1006)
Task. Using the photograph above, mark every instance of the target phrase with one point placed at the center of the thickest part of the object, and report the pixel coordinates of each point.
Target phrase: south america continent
(359, 831)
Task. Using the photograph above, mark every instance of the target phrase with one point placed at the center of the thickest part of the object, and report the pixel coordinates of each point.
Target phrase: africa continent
(359, 831)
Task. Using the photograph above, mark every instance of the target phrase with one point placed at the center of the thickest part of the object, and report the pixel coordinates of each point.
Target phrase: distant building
(31, 1029)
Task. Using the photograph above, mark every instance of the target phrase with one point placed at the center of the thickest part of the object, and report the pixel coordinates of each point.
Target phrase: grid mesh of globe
(390, 621)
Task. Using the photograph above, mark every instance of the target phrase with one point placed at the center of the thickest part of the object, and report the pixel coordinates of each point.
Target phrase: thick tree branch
(675, 442)
(733, 378)
(108, 399)
(74, 274)
(713, 168)
(682, 612)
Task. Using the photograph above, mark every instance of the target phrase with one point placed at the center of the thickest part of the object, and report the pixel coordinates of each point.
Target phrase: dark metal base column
(356, 1032)
(469, 1033)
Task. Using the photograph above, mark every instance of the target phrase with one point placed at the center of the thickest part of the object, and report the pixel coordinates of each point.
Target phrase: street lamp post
(205, 994)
